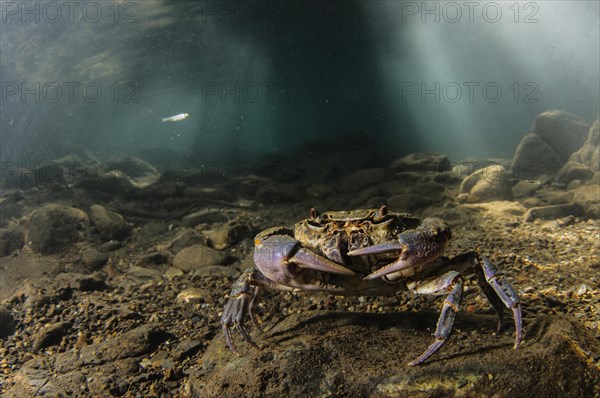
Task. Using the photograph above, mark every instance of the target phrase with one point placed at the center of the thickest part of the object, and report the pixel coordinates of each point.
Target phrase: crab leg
(501, 291)
(236, 309)
(451, 305)
(498, 290)
(242, 300)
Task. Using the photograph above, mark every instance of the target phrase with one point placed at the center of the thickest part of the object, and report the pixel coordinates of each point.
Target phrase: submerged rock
(320, 190)
(572, 171)
(276, 193)
(354, 354)
(163, 190)
(525, 188)
(551, 212)
(421, 162)
(70, 169)
(363, 196)
(50, 335)
(562, 131)
(111, 225)
(11, 239)
(88, 257)
(132, 166)
(488, 184)
(534, 158)
(228, 234)
(7, 323)
(587, 197)
(362, 179)
(197, 256)
(81, 282)
(54, 227)
(554, 137)
(409, 202)
(185, 237)
(589, 153)
(194, 295)
(112, 183)
(433, 190)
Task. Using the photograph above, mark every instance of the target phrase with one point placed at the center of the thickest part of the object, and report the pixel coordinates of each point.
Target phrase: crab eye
(314, 213)
(380, 214)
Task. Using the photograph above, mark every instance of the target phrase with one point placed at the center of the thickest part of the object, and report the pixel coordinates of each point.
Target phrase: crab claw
(278, 257)
(387, 247)
(416, 247)
(408, 258)
(306, 259)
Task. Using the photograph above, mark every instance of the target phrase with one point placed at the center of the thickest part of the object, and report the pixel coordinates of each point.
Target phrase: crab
(366, 253)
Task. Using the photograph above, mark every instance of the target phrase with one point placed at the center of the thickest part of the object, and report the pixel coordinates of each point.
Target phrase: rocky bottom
(115, 286)
(154, 331)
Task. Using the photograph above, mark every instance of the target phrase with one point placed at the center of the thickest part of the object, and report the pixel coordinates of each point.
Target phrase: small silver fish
(176, 118)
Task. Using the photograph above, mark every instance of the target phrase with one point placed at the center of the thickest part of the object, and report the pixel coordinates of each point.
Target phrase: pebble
(193, 295)
(528, 289)
(581, 289)
(172, 272)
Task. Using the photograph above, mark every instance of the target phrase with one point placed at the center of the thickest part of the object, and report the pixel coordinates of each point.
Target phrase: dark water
(265, 77)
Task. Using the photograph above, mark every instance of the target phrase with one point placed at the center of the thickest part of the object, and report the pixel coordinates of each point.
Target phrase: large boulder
(563, 132)
(589, 153)
(534, 158)
(554, 137)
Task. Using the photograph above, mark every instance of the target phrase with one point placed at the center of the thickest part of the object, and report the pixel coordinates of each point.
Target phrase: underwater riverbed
(113, 283)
